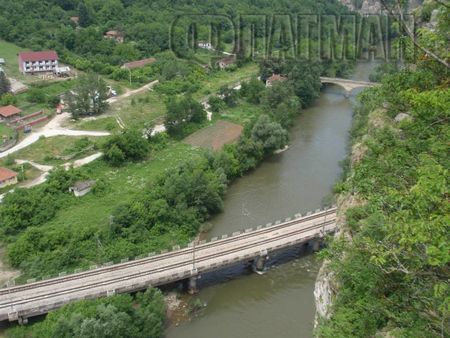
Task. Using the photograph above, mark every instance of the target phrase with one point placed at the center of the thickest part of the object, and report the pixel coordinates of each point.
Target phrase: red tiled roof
(276, 77)
(6, 174)
(38, 56)
(8, 111)
(139, 63)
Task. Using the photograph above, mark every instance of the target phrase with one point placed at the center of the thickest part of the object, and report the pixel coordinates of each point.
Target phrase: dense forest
(148, 28)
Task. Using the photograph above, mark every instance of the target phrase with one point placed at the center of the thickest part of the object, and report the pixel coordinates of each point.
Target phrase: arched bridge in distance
(19, 302)
(346, 84)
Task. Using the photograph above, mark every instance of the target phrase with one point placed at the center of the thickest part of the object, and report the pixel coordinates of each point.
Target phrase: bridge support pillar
(192, 282)
(259, 263)
(316, 245)
(347, 94)
(22, 321)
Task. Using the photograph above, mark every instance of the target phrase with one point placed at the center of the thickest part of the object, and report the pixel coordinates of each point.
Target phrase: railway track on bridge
(5, 305)
(144, 261)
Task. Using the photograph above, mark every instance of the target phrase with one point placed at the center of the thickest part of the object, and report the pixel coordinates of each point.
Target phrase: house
(9, 112)
(114, 35)
(81, 188)
(35, 62)
(138, 64)
(205, 45)
(75, 19)
(275, 78)
(226, 62)
(7, 177)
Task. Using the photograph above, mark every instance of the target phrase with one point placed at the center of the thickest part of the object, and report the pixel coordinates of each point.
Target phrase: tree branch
(411, 34)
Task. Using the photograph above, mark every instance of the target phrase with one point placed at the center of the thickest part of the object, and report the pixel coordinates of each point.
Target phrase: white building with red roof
(36, 62)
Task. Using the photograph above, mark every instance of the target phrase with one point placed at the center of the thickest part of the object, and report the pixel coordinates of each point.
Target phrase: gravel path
(53, 128)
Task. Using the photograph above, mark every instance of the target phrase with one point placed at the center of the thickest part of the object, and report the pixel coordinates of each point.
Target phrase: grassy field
(48, 150)
(216, 80)
(124, 183)
(9, 51)
(140, 109)
(5, 131)
(148, 107)
(242, 114)
(105, 122)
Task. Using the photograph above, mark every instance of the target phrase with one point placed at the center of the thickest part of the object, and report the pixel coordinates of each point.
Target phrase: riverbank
(281, 302)
(386, 271)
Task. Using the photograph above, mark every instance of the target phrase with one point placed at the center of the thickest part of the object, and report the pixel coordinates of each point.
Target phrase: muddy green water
(279, 303)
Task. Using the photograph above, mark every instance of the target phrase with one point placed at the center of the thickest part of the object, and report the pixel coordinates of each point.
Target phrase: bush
(112, 317)
(8, 99)
(129, 145)
(36, 95)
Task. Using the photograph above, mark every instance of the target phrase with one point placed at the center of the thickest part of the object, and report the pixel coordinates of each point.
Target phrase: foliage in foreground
(122, 316)
(394, 274)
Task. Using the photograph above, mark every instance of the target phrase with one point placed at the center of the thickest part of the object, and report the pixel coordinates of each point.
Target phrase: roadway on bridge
(40, 297)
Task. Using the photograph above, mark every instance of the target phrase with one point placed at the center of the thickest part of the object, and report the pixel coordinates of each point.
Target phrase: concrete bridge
(347, 84)
(19, 302)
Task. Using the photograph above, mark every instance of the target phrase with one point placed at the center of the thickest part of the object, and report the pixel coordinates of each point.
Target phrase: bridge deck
(337, 80)
(40, 297)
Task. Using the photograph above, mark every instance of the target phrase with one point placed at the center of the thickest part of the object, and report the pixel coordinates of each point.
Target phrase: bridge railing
(16, 282)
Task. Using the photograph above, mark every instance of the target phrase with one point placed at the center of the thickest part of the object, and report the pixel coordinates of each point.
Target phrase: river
(279, 303)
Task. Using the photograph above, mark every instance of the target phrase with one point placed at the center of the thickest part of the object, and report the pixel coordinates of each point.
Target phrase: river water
(279, 303)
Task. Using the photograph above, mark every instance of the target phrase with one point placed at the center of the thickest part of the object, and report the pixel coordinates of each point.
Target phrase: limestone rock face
(371, 7)
(402, 117)
(324, 292)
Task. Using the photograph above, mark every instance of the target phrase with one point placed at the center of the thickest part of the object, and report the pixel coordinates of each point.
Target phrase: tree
(5, 85)
(114, 155)
(253, 90)
(270, 134)
(85, 15)
(89, 96)
(129, 145)
(281, 101)
(229, 95)
(182, 111)
(216, 104)
(36, 95)
(305, 79)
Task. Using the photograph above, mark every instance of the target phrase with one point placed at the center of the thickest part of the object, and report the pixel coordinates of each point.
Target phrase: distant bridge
(347, 84)
(19, 302)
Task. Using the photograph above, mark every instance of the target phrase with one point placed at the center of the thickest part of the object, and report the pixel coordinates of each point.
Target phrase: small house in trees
(35, 62)
(7, 113)
(205, 45)
(114, 35)
(75, 19)
(81, 188)
(7, 177)
(226, 63)
(275, 78)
